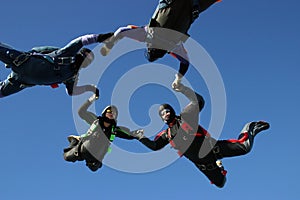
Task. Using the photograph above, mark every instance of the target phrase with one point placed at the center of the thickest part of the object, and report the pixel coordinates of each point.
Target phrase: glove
(138, 134)
(195, 13)
(93, 98)
(97, 93)
(103, 37)
(176, 82)
(179, 87)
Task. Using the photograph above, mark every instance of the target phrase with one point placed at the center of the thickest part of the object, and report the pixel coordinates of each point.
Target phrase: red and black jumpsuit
(193, 141)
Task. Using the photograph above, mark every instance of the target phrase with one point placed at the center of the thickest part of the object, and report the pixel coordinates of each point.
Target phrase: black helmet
(87, 57)
(153, 54)
(164, 107)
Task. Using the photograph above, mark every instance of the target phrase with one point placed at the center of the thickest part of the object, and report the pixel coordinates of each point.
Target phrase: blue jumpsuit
(34, 68)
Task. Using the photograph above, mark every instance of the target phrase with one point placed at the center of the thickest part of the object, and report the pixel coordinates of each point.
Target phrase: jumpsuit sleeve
(75, 45)
(73, 89)
(84, 114)
(124, 133)
(44, 49)
(158, 143)
(181, 55)
(191, 111)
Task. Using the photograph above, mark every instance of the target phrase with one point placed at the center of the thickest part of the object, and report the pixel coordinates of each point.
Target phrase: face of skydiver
(167, 113)
(110, 114)
(153, 54)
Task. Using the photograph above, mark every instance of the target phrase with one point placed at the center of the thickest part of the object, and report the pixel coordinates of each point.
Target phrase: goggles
(164, 111)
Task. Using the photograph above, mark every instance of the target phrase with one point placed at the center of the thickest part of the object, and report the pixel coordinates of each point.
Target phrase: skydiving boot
(260, 126)
(249, 131)
(253, 128)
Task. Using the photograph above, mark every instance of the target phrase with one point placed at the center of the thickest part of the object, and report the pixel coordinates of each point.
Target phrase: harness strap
(20, 59)
(64, 60)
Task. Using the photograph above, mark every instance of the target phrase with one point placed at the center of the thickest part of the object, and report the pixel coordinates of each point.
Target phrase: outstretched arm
(158, 143)
(83, 112)
(75, 45)
(73, 89)
(191, 111)
(133, 32)
(181, 55)
(124, 133)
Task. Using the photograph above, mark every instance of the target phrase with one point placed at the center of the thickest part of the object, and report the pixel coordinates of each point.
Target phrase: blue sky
(256, 50)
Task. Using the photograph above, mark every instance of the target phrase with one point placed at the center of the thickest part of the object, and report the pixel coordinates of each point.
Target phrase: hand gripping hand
(177, 82)
(138, 134)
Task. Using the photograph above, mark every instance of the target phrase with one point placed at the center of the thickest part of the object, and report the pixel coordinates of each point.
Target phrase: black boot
(260, 126)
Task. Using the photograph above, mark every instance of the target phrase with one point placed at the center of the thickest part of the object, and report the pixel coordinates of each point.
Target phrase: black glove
(97, 93)
(195, 13)
(103, 37)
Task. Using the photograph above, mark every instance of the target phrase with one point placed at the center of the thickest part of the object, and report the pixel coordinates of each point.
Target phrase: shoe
(260, 126)
(73, 137)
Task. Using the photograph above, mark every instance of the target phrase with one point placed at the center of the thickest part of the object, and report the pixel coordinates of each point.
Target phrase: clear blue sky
(255, 46)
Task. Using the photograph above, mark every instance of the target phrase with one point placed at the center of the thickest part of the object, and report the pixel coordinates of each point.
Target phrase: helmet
(164, 107)
(153, 54)
(87, 57)
(110, 108)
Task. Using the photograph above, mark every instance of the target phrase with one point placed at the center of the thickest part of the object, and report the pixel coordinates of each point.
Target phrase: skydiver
(95, 143)
(157, 46)
(195, 143)
(176, 15)
(49, 65)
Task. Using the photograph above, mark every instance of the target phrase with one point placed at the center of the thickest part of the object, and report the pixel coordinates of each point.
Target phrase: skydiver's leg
(244, 143)
(211, 170)
(178, 16)
(8, 54)
(91, 162)
(10, 86)
(72, 153)
(206, 4)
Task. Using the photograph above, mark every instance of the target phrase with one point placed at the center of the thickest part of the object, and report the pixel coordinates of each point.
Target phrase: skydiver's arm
(124, 133)
(191, 111)
(72, 88)
(181, 55)
(133, 32)
(155, 145)
(84, 114)
(75, 45)
(159, 142)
